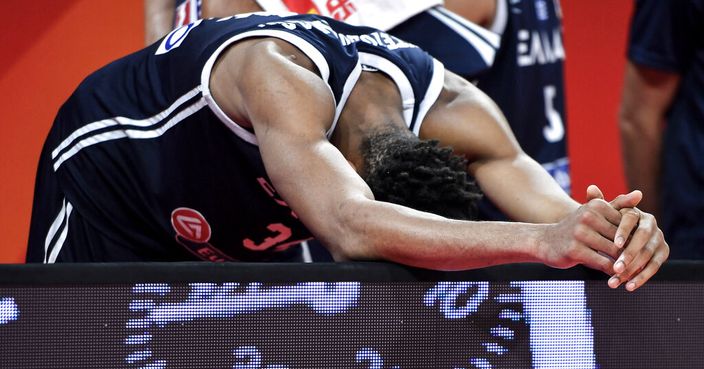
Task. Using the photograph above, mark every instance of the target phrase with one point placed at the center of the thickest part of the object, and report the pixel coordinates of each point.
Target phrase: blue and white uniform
(142, 164)
(669, 36)
(463, 47)
(527, 81)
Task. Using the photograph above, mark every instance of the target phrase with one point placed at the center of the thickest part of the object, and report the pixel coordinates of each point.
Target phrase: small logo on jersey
(176, 37)
(190, 224)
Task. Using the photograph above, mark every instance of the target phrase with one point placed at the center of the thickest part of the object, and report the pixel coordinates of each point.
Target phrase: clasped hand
(614, 237)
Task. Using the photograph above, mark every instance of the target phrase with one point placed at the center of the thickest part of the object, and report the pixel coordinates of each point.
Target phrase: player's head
(402, 169)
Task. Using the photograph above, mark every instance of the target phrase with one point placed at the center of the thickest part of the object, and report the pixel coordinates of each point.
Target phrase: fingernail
(631, 286)
(619, 266)
(619, 241)
(613, 282)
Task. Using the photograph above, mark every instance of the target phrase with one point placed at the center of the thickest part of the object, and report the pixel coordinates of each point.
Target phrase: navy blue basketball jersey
(142, 164)
(527, 82)
(669, 36)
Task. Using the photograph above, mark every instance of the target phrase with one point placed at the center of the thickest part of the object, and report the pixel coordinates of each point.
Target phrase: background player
(664, 82)
(526, 78)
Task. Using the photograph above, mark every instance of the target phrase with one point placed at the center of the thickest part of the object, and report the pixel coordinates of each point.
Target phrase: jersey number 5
(555, 130)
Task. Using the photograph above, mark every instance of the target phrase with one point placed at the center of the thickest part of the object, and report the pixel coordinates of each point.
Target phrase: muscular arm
(647, 95)
(158, 19)
(337, 205)
(467, 120)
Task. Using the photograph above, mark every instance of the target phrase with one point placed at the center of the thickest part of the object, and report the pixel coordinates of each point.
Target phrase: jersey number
(555, 130)
(281, 233)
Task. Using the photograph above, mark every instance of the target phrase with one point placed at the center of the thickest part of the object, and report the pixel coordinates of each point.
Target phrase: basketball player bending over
(237, 138)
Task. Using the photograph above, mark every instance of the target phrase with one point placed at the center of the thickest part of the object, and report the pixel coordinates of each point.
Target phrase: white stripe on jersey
(53, 229)
(498, 25)
(125, 121)
(130, 133)
(485, 42)
(65, 213)
(492, 38)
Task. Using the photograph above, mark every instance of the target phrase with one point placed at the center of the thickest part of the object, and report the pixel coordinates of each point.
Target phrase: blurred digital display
(409, 325)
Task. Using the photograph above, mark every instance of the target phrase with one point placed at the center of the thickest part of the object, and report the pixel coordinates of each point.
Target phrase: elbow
(627, 122)
(631, 125)
(350, 237)
(638, 126)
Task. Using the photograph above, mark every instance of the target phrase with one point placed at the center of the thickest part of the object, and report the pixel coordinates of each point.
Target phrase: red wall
(47, 47)
(52, 45)
(595, 42)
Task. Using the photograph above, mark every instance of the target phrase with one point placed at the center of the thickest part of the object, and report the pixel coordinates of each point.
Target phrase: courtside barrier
(345, 315)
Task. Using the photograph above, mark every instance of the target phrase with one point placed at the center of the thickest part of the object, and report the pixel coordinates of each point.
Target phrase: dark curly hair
(402, 169)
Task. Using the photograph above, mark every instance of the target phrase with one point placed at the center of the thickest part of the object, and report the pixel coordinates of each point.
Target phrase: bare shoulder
(460, 97)
(258, 54)
(466, 119)
(249, 59)
(255, 72)
(455, 87)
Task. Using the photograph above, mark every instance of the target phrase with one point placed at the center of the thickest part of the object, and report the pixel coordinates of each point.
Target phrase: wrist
(538, 243)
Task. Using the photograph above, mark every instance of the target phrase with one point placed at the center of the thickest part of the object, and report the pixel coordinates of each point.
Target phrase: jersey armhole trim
(346, 91)
(408, 98)
(498, 25)
(431, 95)
(314, 54)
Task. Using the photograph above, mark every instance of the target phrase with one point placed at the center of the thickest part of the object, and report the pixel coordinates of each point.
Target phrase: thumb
(629, 200)
(593, 192)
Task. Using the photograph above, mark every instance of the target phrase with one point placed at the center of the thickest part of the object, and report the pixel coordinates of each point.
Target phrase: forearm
(647, 95)
(523, 190)
(641, 159)
(384, 231)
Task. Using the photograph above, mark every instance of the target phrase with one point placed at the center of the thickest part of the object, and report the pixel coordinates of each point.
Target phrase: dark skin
(272, 88)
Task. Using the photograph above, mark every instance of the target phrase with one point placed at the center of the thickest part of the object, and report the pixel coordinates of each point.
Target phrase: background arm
(158, 19)
(647, 95)
(226, 8)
